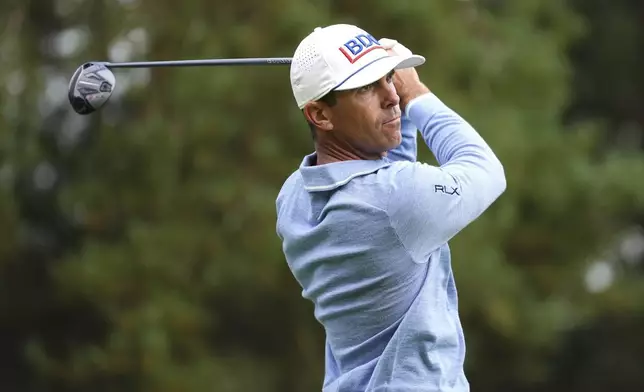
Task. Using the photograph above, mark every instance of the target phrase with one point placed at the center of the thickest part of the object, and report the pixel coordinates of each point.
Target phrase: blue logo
(357, 47)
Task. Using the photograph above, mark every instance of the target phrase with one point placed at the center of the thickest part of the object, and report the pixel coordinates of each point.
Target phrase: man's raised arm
(429, 205)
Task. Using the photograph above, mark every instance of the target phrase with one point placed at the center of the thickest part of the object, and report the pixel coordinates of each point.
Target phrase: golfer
(364, 225)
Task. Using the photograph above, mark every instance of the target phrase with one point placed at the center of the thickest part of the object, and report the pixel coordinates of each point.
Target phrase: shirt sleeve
(428, 205)
(408, 148)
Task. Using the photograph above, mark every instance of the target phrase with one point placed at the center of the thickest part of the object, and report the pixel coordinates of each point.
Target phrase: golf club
(92, 84)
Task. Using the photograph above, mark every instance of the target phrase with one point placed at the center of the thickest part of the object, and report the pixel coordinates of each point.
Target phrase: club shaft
(203, 62)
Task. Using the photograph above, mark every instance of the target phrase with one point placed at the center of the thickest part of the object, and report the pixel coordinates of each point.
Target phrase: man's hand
(407, 83)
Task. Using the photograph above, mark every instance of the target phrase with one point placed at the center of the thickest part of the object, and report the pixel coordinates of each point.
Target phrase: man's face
(365, 120)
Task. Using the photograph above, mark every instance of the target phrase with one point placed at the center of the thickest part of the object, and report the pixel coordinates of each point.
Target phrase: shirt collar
(332, 175)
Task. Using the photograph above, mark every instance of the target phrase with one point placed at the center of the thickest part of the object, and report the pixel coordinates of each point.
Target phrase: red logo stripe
(354, 59)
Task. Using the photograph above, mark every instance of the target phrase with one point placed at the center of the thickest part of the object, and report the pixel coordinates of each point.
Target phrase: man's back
(367, 241)
(384, 314)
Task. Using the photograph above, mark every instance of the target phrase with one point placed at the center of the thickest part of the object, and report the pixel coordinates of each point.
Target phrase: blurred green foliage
(138, 246)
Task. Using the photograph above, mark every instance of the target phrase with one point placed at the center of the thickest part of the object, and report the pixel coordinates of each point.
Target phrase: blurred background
(138, 248)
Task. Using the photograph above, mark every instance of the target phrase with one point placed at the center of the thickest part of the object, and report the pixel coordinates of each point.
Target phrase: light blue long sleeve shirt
(367, 242)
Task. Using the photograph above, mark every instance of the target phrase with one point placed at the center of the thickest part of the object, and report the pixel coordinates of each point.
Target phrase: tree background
(138, 248)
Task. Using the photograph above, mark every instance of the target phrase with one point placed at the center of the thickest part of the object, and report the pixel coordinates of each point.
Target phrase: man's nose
(389, 95)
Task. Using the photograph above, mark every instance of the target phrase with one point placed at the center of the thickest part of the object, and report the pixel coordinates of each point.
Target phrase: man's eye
(367, 87)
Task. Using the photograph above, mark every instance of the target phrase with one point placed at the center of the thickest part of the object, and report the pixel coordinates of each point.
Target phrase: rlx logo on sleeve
(357, 47)
(448, 190)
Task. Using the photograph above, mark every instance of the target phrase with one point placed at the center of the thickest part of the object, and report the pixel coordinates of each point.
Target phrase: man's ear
(319, 114)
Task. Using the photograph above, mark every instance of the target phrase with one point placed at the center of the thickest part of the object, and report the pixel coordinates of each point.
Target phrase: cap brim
(379, 69)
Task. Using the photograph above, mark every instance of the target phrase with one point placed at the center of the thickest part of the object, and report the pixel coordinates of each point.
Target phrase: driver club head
(90, 87)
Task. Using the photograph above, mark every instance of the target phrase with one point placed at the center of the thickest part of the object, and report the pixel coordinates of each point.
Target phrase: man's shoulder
(294, 178)
(400, 173)
(290, 183)
(392, 178)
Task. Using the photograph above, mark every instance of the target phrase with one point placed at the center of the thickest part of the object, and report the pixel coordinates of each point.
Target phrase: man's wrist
(412, 92)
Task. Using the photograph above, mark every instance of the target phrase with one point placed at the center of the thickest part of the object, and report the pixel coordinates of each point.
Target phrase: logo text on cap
(357, 47)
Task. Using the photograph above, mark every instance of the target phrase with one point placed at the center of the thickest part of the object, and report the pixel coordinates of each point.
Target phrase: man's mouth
(392, 120)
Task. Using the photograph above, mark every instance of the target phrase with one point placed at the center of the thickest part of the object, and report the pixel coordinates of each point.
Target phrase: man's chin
(395, 139)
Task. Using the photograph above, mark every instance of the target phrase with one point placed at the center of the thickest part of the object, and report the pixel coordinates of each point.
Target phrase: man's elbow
(498, 180)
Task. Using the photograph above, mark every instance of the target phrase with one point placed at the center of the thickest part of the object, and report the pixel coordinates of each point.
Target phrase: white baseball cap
(341, 57)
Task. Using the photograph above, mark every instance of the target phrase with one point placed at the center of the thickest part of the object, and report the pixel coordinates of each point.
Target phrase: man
(365, 226)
